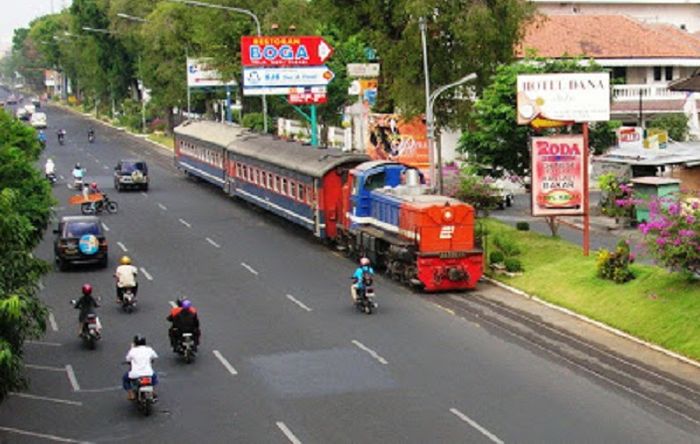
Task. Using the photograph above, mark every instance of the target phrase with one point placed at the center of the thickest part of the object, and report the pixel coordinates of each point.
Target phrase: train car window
(354, 185)
(283, 190)
(277, 183)
(238, 170)
(270, 179)
(255, 176)
(263, 179)
(244, 176)
(292, 190)
(302, 195)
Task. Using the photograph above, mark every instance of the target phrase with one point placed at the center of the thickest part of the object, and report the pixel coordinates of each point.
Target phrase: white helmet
(364, 261)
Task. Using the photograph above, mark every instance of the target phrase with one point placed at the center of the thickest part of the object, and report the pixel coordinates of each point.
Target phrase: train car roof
(292, 155)
(212, 132)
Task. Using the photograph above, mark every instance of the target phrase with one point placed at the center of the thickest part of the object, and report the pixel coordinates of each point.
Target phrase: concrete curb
(598, 324)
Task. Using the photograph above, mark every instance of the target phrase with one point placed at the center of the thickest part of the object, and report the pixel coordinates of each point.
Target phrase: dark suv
(131, 173)
(80, 240)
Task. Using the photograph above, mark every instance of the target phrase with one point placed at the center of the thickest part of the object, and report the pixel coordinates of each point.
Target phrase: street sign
(284, 50)
(282, 90)
(301, 76)
(363, 69)
(307, 98)
(201, 74)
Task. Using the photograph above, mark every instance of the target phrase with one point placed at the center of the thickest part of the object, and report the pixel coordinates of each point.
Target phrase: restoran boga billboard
(574, 97)
(557, 175)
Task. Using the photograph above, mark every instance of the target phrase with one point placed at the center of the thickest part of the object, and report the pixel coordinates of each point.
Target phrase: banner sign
(284, 50)
(393, 138)
(630, 137)
(282, 90)
(363, 69)
(557, 175)
(575, 97)
(201, 74)
(304, 76)
(307, 98)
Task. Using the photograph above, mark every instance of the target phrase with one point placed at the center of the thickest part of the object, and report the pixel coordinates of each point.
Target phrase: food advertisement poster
(557, 175)
(393, 138)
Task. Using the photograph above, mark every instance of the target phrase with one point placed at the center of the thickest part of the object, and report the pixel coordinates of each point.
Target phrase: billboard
(574, 97)
(393, 138)
(557, 175)
(284, 50)
(200, 73)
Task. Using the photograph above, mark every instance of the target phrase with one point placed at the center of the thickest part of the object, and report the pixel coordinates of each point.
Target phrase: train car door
(332, 201)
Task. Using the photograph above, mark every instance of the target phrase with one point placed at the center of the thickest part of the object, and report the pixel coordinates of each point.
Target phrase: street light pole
(247, 12)
(423, 25)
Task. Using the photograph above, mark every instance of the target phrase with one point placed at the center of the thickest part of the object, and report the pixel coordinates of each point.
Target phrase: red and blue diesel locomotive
(376, 208)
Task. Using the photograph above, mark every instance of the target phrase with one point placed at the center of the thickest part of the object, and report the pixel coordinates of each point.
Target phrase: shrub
(506, 245)
(513, 265)
(522, 226)
(496, 257)
(614, 265)
(476, 192)
(675, 124)
(255, 121)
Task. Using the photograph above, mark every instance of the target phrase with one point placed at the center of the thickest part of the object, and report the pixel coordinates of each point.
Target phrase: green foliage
(522, 226)
(602, 135)
(615, 265)
(613, 190)
(475, 191)
(493, 136)
(513, 265)
(255, 121)
(496, 257)
(675, 124)
(131, 115)
(507, 245)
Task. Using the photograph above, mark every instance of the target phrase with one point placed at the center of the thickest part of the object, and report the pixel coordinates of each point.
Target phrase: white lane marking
(298, 302)
(101, 390)
(48, 344)
(185, 223)
(106, 228)
(476, 425)
(225, 362)
(162, 207)
(214, 244)
(147, 274)
(62, 178)
(172, 304)
(46, 398)
(105, 167)
(288, 433)
(372, 353)
(143, 193)
(41, 285)
(249, 268)
(121, 245)
(45, 367)
(52, 322)
(39, 435)
(71, 377)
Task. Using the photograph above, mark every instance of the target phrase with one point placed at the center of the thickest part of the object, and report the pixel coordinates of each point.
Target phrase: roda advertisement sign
(557, 175)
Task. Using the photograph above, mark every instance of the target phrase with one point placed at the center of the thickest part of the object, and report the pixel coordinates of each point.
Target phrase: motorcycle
(90, 208)
(145, 397)
(61, 139)
(365, 298)
(91, 137)
(186, 347)
(91, 331)
(128, 299)
(51, 177)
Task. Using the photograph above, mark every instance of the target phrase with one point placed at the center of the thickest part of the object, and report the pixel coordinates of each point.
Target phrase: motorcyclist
(42, 137)
(91, 133)
(61, 133)
(49, 167)
(140, 357)
(86, 304)
(78, 172)
(358, 278)
(184, 319)
(125, 274)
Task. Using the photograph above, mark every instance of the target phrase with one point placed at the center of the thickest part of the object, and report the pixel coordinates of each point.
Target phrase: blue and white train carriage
(200, 149)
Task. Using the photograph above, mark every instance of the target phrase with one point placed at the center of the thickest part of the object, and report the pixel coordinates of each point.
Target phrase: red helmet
(93, 185)
(87, 289)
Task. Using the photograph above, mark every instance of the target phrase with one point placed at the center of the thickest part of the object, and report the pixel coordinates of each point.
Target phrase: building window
(619, 74)
(657, 74)
(669, 73)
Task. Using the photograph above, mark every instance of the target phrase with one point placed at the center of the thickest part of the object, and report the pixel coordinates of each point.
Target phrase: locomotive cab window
(375, 181)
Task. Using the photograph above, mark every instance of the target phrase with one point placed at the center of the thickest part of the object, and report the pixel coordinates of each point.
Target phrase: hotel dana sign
(574, 97)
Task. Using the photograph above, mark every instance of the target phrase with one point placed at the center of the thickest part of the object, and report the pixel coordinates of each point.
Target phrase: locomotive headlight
(447, 216)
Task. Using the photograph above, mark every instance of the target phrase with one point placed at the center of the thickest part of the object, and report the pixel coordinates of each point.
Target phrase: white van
(38, 120)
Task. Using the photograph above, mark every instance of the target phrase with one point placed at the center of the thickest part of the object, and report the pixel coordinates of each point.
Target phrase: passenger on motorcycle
(49, 167)
(78, 172)
(42, 137)
(140, 357)
(184, 319)
(86, 304)
(125, 274)
(358, 278)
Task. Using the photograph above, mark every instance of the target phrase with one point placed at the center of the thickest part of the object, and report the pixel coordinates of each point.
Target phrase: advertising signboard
(282, 90)
(363, 69)
(201, 74)
(557, 175)
(284, 50)
(393, 138)
(307, 98)
(276, 77)
(630, 137)
(573, 97)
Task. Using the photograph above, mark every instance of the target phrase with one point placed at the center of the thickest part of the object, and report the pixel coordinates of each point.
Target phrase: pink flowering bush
(672, 233)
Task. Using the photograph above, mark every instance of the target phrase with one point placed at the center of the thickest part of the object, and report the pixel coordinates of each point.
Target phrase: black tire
(104, 262)
(368, 309)
(117, 187)
(145, 187)
(87, 209)
(112, 207)
(147, 407)
(188, 356)
(92, 343)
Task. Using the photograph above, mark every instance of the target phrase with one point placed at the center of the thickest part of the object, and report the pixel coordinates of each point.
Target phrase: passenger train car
(379, 209)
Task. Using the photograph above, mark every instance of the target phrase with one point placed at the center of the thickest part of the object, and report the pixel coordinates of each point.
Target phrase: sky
(18, 14)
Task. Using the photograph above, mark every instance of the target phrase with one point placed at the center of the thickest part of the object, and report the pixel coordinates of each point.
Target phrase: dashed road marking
(39, 435)
(162, 207)
(146, 274)
(143, 193)
(105, 227)
(298, 302)
(288, 433)
(214, 244)
(105, 167)
(48, 344)
(46, 398)
(122, 246)
(372, 353)
(445, 309)
(48, 368)
(52, 322)
(225, 362)
(61, 177)
(185, 223)
(476, 425)
(41, 285)
(72, 378)
(249, 268)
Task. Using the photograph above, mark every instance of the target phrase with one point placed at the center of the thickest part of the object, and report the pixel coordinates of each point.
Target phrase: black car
(131, 173)
(80, 240)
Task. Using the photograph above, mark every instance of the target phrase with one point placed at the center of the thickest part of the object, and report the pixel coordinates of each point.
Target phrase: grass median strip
(657, 306)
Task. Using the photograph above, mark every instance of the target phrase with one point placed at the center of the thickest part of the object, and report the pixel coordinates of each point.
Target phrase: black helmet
(139, 340)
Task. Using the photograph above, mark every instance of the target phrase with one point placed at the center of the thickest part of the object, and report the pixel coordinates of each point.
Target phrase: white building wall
(678, 13)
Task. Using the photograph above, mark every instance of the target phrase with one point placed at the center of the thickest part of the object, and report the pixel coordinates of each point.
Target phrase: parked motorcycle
(90, 208)
(186, 347)
(128, 299)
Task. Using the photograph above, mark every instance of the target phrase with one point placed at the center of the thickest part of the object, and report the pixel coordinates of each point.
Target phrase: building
(642, 57)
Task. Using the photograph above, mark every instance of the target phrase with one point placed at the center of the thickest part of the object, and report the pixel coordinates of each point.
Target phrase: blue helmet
(186, 304)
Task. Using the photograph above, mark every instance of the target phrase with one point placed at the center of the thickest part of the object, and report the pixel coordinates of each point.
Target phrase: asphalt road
(284, 357)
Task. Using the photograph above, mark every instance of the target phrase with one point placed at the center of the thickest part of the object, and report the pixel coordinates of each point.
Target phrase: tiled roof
(606, 36)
